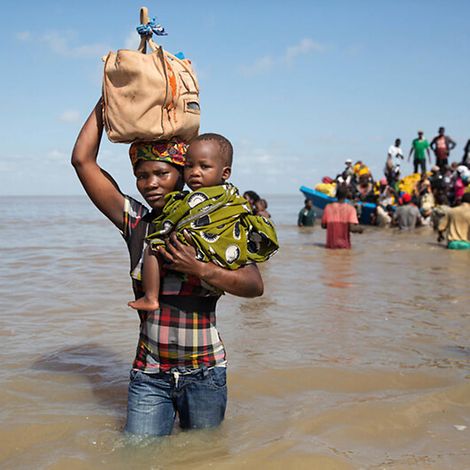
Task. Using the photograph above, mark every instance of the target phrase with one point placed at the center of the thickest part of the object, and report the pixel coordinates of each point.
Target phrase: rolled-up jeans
(199, 397)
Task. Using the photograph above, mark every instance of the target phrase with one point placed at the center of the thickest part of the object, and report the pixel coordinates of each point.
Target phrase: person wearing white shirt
(395, 154)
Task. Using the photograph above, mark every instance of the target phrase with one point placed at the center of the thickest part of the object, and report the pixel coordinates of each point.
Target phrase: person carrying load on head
(180, 361)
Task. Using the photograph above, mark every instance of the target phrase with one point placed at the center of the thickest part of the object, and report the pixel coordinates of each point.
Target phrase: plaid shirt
(183, 332)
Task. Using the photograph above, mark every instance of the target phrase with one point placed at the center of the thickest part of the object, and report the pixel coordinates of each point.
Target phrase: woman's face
(155, 180)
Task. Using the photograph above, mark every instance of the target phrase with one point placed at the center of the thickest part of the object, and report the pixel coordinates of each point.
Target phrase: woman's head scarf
(169, 151)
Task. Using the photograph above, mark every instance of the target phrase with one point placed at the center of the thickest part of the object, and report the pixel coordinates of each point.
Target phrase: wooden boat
(320, 200)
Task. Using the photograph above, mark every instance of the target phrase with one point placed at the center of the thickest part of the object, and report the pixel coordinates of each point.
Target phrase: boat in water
(320, 200)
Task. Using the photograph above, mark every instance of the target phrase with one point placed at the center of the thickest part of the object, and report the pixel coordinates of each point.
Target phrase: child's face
(204, 165)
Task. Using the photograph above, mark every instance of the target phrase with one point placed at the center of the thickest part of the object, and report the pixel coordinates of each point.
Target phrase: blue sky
(297, 86)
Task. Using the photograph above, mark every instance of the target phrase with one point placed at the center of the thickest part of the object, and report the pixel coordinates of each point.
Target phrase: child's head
(208, 161)
(251, 197)
(261, 205)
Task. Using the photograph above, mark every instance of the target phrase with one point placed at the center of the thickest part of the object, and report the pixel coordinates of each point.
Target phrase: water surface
(351, 359)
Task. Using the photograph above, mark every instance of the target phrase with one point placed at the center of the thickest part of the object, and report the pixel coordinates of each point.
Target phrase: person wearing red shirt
(339, 219)
(442, 144)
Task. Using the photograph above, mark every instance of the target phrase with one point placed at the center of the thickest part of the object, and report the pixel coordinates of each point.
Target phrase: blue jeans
(199, 398)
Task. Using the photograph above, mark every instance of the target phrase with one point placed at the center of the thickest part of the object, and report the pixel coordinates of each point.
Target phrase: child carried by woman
(213, 217)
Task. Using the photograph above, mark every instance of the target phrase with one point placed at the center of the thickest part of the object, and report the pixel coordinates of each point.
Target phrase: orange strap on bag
(151, 96)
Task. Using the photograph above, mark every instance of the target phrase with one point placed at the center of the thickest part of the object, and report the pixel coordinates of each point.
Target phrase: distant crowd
(421, 198)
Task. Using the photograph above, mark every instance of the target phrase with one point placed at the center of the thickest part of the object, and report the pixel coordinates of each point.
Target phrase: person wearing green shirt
(420, 146)
(306, 215)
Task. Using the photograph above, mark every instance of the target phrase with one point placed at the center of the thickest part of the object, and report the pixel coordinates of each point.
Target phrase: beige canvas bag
(149, 97)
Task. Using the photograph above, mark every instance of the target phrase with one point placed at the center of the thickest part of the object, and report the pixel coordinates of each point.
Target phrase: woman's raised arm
(99, 185)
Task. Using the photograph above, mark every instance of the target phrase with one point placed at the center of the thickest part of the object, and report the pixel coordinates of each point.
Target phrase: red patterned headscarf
(169, 151)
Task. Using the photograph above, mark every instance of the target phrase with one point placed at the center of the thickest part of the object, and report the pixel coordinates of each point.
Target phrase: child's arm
(99, 185)
(150, 283)
(243, 282)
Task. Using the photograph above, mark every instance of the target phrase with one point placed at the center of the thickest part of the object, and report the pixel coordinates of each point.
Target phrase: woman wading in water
(180, 363)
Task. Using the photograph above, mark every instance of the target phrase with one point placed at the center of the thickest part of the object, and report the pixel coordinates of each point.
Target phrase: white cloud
(132, 40)
(263, 64)
(304, 47)
(57, 156)
(70, 116)
(262, 156)
(61, 43)
(110, 155)
(276, 167)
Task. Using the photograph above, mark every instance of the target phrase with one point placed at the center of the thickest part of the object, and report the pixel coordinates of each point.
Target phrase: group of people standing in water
(438, 198)
(449, 178)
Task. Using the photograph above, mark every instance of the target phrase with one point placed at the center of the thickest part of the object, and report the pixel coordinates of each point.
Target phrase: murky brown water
(356, 359)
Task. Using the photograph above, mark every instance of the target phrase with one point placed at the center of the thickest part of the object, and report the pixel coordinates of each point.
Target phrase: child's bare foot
(144, 303)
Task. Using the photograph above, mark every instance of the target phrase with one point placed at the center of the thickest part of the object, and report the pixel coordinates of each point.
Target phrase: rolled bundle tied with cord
(148, 97)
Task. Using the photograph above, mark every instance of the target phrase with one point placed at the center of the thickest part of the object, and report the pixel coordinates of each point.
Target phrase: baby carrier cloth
(221, 225)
